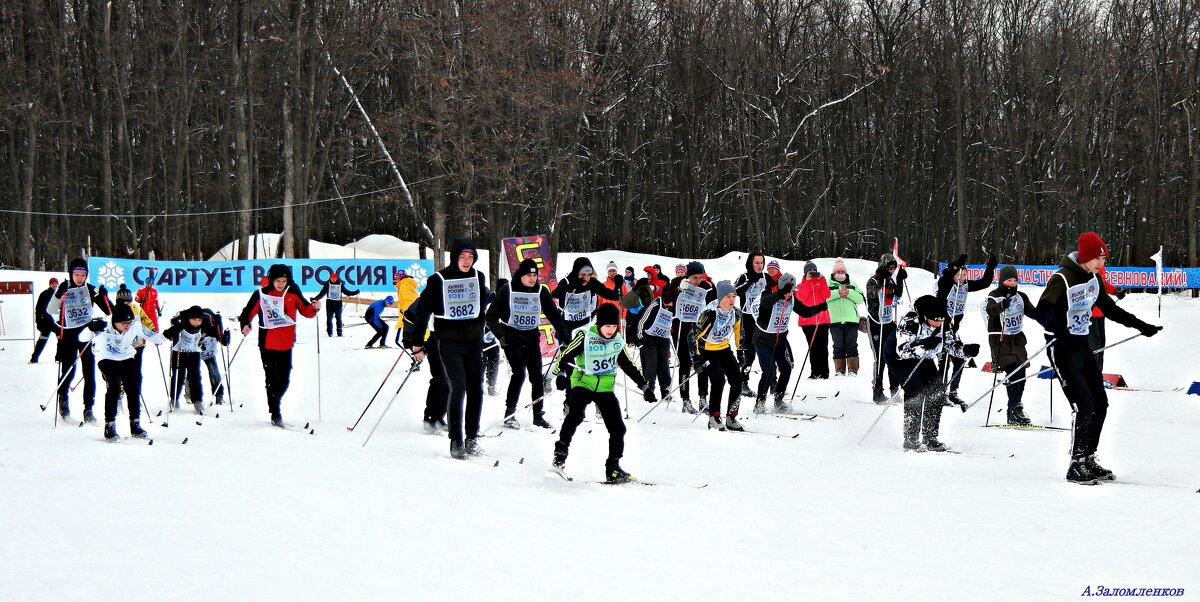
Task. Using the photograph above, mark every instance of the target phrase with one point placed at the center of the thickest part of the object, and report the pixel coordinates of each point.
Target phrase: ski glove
(98, 325)
(930, 342)
(561, 382)
(971, 349)
(225, 338)
(1149, 330)
(699, 367)
(647, 387)
(991, 262)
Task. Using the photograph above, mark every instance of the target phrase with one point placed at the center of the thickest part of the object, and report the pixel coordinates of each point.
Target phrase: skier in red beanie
(1065, 311)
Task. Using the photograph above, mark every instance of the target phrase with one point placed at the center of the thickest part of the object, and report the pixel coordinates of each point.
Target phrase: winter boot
(852, 365)
(539, 420)
(912, 425)
(110, 431)
(473, 448)
(649, 397)
(511, 423)
(688, 408)
(614, 474)
(912, 445)
(199, 405)
(839, 366)
(1080, 474)
(277, 419)
(457, 451)
(746, 392)
(1016, 416)
(954, 400)
(64, 411)
(760, 404)
(88, 418)
(714, 422)
(136, 430)
(703, 409)
(429, 426)
(879, 397)
(732, 424)
(781, 406)
(220, 399)
(934, 445)
(1101, 472)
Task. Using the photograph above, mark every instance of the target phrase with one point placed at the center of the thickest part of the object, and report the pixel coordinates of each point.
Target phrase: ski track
(248, 512)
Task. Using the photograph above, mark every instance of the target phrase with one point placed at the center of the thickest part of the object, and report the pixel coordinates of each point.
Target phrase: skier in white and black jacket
(454, 296)
(1065, 312)
(749, 287)
(654, 335)
(952, 288)
(515, 317)
(771, 344)
(918, 340)
(69, 312)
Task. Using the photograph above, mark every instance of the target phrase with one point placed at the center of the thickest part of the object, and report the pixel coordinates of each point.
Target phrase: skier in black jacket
(69, 311)
(884, 290)
(771, 344)
(438, 395)
(687, 297)
(952, 289)
(515, 317)
(750, 287)
(454, 296)
(187, 332)
(335, 290)
(1065, 311)
(42, 321)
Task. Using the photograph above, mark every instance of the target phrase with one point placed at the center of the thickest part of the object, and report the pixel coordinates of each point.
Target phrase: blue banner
(1120, 277)
(367, 275)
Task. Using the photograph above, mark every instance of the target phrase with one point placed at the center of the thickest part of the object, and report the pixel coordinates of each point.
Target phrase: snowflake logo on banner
(418, 273)
(111, 275)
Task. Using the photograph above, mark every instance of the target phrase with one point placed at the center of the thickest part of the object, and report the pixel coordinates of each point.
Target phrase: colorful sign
(367, 275)
(1120, 277)
(537, 248)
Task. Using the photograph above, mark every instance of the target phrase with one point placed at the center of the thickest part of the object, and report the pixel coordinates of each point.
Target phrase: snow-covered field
(795, 510)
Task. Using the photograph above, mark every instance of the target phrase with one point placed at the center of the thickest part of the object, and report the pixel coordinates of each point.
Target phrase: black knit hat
(931, 308)
(122, 313)
(278, 270)
(78, 264)
(528, 266)
(1007, 272)
(194, 311)
(695, 268)
(608, 314)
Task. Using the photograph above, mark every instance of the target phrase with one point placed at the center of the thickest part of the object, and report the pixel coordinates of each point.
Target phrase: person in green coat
(843, 316)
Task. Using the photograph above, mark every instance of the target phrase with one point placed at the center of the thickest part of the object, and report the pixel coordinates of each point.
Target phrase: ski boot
(703, 406)
(511, 423)
(760, 404)
(746, 392)
(732, 424)
(539, 420)
(220, 399)
(429, 426)
(910, 445)
(1080, 474)
(1101, 472)
(934, 445)
(88, 418)
(64, 411)
(199, 405)
(473, 448)
(614, 474)
(781, 406)
(688, 408)
(649, 397)
(110, 431)
(1016, 416)
(367, 347)
(954, 400)
(879, 397)
(714, 422)
(277, 420)
(492, 391)
(135, 430)
(457, 450)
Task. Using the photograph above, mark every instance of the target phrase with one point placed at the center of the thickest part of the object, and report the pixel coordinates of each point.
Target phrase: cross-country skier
(719, 325)
(1006, 310)
(687, 297)
(884, 290)
(814, 289)
(843, 317)
(952, 288)
(654, 336)
(116, 346)
(771, 342)
(147, 299)
(578, 296)
(335, 290)
(186, 333)
(209, 348)
(913, 353)
(516, 316)
(374, 318)
(597, 351)
(406, 294)
(1065, 311)
(42, 321)
(750, 286)
(70, 310)
(276, 305)
(438, 395)
(454, 296)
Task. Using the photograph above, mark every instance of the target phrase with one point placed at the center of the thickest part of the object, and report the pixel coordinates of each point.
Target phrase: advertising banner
(1120, 277)
(537, 248)
(367, 275)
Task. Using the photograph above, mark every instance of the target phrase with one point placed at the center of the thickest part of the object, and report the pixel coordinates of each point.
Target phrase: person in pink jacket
(814, 290)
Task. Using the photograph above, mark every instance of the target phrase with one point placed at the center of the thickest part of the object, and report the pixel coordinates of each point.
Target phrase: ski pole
(235, 351)
(63, 379)
(992, 395)
(665, 397)
(385, 379)
(318, 322)
(228, 377)
(1006, 381)
(389, 404)
(1120, 342)
(145, 410)
(893, 399)
(800, 373)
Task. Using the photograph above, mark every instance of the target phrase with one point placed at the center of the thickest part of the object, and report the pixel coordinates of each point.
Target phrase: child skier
(209, 347)
(913, 353)
(952, 288)
(1065, 311)
(121, 365)
(577, 296)
(515, 316)
(276, 305)
(335, 290)
(69, 311)
(187, 331)
(843, 317)
(1006, 310)
(719, 325)
(884, 290)
(597, 351)
(687, 297)
(374, 317)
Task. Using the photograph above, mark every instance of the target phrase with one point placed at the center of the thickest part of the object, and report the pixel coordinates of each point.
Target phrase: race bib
(887, 309)
(777, 322)
(335, 292)
(661, 327)
(578, 306)
(690, 304)
(956, 301)
(524, 310)
(273, 314)
(600, 354)
(1080, 300)
(754, 297)
(187, 342)
(77, 307)
(722, 327)
(208, 348)
(1012, 320)
(461, 298)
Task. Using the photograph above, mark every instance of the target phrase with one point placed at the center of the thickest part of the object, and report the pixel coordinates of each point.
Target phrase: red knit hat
(1091, 247)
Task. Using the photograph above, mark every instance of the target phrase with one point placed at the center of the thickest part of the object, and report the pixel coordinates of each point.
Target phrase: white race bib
(187, 342)
(600, 354)
(524, 310)
(77, 307)
(461, 298)
(208, 348)
(887, 311)
(1080, 300)
(956, 301)
(777, 322)
(722, 327)
(754, 297)
(690, 303)
(578, 306)
(1012, 319)
(661, 327)
(273, 314)
(335, 292)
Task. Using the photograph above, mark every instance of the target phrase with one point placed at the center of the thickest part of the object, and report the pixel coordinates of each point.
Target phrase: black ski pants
(438, 396)
(333, 312)
(722, 365)
(746, 351)
(924, 396)
(277, 368)
(881, 340)
(126, 375)
(216, 384)
(1017, 390)
(845, 340)
(1082, 383)
(525, 359)
(186, 373)
(67, 353)
(952, 366)
(656, 362)
(770, 358)
(817, 337)
(610, 411)
(1096, 340)
(462, 364)
(491, 363)
(685, 363)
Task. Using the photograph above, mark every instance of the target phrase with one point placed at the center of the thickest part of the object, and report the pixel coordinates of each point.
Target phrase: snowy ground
(248, 512)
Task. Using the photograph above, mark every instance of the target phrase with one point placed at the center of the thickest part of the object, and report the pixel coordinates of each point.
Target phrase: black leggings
(67, 353)
(881, 339)
(817, 337)
(333, 311)
(277, 370)
(525, 359)
(610, 411)
(722, 366)
(1083, 385)
(770, 357)
(656, 362)
(186, 371)
(438, 395)
(118, 375)
(685, 362)
(462, 363)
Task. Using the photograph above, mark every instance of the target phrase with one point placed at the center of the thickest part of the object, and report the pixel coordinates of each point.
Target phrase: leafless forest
(684, 127)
